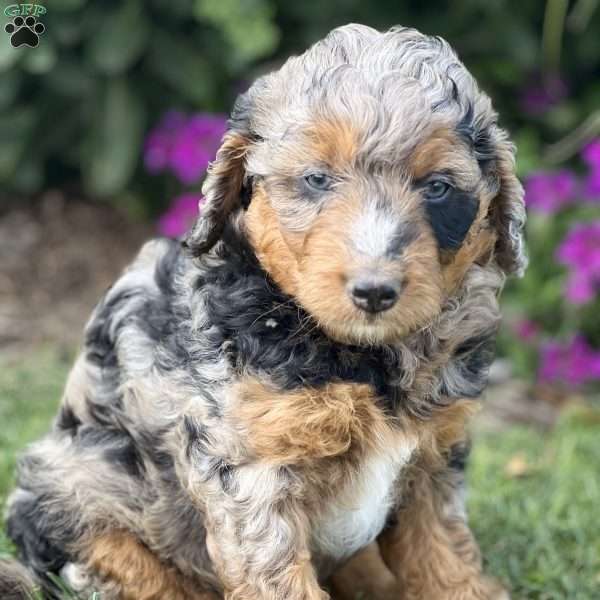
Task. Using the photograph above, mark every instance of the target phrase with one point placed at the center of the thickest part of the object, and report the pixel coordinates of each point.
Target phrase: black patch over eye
(451, 212)
(320, 182)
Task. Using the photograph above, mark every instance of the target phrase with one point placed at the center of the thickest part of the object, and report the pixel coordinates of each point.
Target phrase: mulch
(57, 256)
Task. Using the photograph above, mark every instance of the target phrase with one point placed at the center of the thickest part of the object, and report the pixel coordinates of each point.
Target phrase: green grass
(540, 533)
(29, 394)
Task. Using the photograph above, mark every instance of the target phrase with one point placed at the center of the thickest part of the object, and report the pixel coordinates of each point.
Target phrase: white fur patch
(75, 576)
(374, 231)
(358, 514)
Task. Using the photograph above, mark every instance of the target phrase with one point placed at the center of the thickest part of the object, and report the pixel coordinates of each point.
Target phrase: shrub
(77, 106)
(555, 325)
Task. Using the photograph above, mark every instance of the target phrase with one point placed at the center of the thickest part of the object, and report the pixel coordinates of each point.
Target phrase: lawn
(534, 499)
(30, 390)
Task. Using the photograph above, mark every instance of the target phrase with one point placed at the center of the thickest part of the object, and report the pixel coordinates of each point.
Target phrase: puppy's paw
(485, 588)
(479, 588)
(494, 589)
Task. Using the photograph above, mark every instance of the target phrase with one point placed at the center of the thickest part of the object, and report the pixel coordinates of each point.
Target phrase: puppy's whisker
(303, 324)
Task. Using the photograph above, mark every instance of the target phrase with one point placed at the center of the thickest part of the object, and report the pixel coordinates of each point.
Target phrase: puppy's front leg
(431, 549)
(255, 499)
(257, 537)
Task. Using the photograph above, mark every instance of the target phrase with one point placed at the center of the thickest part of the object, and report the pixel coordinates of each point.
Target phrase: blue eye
(319, 181)
(437, 190)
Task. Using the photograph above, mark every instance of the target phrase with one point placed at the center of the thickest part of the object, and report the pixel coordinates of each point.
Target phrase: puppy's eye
(437, 190)
(320, 182)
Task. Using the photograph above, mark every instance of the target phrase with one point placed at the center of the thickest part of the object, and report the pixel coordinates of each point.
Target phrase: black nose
(374, 297)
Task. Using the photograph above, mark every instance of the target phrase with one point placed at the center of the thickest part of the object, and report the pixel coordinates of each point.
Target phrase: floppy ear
(222, 189)
(508, 208)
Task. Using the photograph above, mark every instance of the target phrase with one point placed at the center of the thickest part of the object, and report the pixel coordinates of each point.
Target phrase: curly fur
(234, 426)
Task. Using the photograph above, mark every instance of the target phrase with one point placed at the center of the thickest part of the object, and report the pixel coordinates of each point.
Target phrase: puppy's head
(369, 174)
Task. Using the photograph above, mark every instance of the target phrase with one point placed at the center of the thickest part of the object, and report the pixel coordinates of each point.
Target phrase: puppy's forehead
(393, 90)
(418, 143)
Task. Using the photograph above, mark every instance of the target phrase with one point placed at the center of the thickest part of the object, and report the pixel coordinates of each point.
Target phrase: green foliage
(247, 26)
(78, 105)
(114, 139)
(541, 298)
(119, 39)
(138, 59)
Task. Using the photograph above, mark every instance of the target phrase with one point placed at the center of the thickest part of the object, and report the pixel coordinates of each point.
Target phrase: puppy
(277, 409)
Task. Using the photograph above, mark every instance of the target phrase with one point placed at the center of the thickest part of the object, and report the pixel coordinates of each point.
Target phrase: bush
(555, 325)
(78, 105)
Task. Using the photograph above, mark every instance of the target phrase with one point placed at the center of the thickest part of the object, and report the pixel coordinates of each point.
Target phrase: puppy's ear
(507, 211)
(223, 188)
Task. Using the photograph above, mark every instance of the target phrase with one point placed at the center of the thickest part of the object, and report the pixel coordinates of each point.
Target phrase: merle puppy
(276, 410)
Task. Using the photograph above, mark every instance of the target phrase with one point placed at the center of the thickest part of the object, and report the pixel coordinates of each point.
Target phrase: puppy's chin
(365, 330)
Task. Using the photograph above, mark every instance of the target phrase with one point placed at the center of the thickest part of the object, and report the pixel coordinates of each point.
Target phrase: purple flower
(527, 330)
(185, 145)
(180, 216)
(591, 185)
(195, 145)
(581, 248)
(574, 363)
(159, 142)
(580, 289)
(541, 95)
(547, 192)
(580, 251)
(591, 154)
(551, 359)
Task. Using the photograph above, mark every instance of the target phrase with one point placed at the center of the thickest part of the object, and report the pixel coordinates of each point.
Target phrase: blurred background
(106, 130)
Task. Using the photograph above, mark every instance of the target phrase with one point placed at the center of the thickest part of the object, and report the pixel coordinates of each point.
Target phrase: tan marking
(328, 263)
(274, 253)
(365, 575)
(444, 151)
(120, 557)
(477, 248)
(434, 555)
(449, 424)
(307, 424)
(335, 143)
(444, 429)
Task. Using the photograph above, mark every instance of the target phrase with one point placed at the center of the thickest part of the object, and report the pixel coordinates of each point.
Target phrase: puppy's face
(371, 245)
(373, 185)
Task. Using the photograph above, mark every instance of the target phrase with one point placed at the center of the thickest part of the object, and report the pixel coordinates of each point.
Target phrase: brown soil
(56, 259)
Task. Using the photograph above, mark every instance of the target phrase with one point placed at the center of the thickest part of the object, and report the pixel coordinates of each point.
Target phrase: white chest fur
(358, 514)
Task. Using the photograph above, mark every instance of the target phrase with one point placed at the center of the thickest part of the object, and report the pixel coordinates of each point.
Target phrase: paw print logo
(25, 32)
